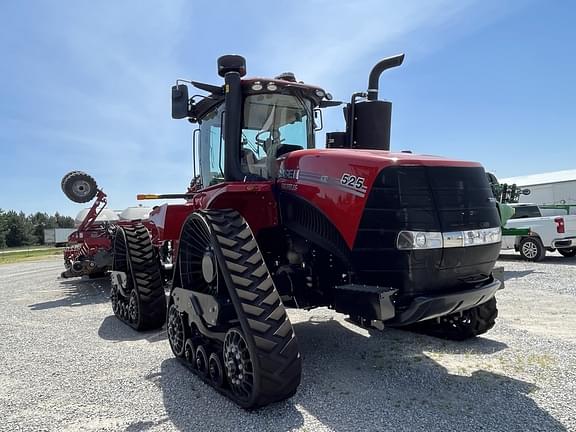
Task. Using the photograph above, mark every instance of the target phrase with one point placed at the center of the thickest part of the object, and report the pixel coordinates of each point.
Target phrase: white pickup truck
(546, 233)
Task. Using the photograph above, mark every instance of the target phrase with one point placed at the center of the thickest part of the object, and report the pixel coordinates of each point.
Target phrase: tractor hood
(334, 180)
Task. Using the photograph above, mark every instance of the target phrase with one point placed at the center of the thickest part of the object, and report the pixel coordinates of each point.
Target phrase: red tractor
(89, 250)
(391, 239)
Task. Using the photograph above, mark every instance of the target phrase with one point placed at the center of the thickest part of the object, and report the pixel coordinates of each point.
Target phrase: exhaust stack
(370, 120)
(377, 70)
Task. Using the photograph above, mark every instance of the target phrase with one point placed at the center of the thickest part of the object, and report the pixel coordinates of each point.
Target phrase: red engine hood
(372, 158)
(337, 181)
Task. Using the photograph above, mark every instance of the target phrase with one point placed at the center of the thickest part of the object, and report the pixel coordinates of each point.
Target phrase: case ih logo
(290, 174)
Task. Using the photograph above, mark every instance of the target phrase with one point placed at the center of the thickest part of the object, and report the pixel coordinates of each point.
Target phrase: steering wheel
(272, 137)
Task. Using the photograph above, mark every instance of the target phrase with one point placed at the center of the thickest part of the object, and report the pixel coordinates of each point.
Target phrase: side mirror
(318, 121)
(179, 101)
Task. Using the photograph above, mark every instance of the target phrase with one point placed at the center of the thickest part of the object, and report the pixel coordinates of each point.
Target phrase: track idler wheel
(137, 295)
(134, 307)
(79, 187)
(239, 365)
(176, 332)
(256, 351)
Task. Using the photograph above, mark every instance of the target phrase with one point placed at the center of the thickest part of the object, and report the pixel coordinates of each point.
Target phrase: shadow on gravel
(548, 259)
(192, 405)
(114, 330)
(518, 274)
(79, 292)
(379, 381)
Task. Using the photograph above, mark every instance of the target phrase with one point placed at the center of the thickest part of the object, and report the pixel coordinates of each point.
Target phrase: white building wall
(553, 193)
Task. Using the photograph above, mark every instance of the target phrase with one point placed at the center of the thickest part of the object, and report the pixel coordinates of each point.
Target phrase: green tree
(39, 222)
(64, 221)
(3, 229)
(19, 232)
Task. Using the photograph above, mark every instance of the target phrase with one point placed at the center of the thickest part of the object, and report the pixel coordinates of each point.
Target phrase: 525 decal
(352, 180)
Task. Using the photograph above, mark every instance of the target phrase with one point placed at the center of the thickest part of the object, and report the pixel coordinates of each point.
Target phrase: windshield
(272, 125)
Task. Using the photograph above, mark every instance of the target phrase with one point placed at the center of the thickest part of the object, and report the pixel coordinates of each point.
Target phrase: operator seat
(287, 148)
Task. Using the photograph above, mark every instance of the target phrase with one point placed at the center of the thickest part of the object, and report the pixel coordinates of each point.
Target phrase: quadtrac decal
(352, 184)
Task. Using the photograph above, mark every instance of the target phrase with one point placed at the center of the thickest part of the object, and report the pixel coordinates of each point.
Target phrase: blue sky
(86, 85)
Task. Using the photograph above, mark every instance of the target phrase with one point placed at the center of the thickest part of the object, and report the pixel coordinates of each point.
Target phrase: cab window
(212, 150)
(272, 125)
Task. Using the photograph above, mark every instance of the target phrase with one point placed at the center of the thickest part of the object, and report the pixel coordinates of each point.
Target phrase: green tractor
(507, 194)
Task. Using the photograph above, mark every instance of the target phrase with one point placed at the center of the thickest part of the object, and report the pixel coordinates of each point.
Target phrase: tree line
(19, 229)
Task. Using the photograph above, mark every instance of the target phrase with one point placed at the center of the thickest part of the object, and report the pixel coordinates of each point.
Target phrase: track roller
(245, 345)
(137, 293)
(215, 370)
(190, 352)
(201, 361)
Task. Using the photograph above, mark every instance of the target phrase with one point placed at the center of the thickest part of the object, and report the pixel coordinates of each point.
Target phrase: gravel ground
(67, 364)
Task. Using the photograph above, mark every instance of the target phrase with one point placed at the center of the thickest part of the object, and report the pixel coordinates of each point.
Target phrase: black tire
(568, 253)
(462, 325)
(134, 254)
(79, 187)
(532, 249)
(264, 324)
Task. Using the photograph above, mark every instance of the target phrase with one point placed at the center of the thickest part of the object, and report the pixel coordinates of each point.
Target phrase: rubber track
(146, 278)
(483, 318)
(259, 308)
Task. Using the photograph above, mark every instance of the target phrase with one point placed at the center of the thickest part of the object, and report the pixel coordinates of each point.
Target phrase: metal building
(555, 188)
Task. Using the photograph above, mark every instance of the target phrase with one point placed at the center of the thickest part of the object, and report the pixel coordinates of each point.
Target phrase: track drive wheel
(261, 362)
(79, 186)
(142, 305)
(462, 325)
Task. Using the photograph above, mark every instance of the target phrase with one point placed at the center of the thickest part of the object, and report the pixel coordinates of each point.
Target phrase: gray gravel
(68, 365)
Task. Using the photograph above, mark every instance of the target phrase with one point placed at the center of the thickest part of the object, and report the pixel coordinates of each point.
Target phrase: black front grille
(420, 198)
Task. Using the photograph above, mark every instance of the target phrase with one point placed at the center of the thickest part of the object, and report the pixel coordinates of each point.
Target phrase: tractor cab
(245, 125)
(272, 124)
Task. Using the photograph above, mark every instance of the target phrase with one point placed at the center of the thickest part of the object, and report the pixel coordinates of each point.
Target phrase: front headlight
(415, 240)
(419, 240)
